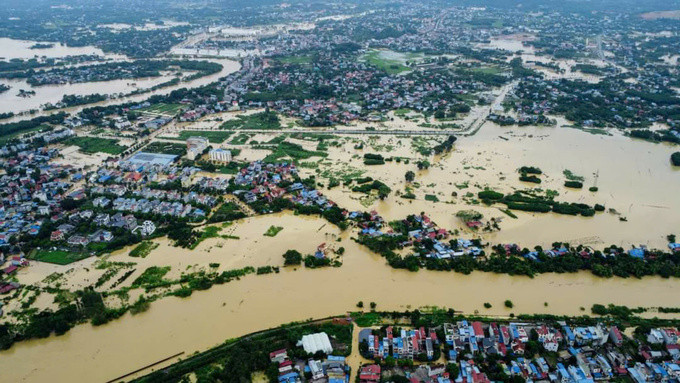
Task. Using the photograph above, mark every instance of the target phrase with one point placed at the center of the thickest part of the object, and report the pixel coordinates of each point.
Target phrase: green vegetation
(530, 170)
(532, 179)
(469, 215)
(390, 66)
(214, 136)
(528, 201)
(261, 120)
(508, 303)
(58, 257)
(11, 129)
(487, 305)
(619, 312)
(292, 257)
(162, 108)
(166, 148)
(313, 262)
(92, 145)
(228, 211)
(529, 174)
(431, 197)
(151, 276)
(240, 139)
(208, 232)
(573, 184)
(373, 159)
(366, 188)
(143, 249)
(293, 151)
(235, 360)
(675, 159)
(366, 319)
(273, 231)
(569, 175)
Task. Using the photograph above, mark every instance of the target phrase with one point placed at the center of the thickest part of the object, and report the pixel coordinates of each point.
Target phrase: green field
(96, 145)
(216, 136)
(166, 148)
(261, 120)
(272, 231)
(240, 139)
(167, 109)
(59, 257)
(6, 138)
(390, 66)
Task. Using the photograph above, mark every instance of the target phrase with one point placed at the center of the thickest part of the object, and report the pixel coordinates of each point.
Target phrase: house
(278, 356)
(369, 373)
(147, 228)
(101, 236)
(78, 240)
(615, 336)
(57, 235)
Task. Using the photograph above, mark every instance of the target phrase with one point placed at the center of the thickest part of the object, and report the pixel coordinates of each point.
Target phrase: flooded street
(256, 302)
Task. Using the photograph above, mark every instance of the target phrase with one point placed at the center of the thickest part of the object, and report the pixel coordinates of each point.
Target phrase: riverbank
(173, 325)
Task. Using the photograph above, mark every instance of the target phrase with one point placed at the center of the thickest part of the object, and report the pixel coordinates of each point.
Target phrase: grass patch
(290, 150)
(366, 319)
(58, 257)
(389, 66)
(215, 136)
(262, 120)
(96, 145)
(431, 197)
(273, 230)
(208, 232)
(151, 276)
(166, 148)
(143, 249)
(228, 211)
(240, 139)
(162, 108)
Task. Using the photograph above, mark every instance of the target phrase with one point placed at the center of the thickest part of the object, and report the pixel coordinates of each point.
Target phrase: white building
(196, 146)
(316, 342)
(220, 155)
(148, 227)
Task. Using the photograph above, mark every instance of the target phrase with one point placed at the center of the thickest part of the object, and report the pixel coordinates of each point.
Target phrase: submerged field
(633, 178)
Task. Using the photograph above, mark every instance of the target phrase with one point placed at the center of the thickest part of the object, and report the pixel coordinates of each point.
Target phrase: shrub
(530, 170)
(490, 195)
(532, 179)
(675, 159)
(509, 304)
(292, 257)
(573, 184)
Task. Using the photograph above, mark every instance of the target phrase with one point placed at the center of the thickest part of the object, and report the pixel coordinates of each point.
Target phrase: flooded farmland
(175, 325)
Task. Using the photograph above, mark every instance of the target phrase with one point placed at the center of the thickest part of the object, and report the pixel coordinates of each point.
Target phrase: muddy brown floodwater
(633, 177)
(174, 325)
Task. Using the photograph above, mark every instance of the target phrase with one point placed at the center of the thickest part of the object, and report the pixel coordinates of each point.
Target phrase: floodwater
(174, 325)
(20, 49)
(11, 102)
(634, 177)
(228, 67)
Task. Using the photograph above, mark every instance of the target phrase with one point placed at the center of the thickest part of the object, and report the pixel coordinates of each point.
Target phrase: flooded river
(175, 325)
(10, 102)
